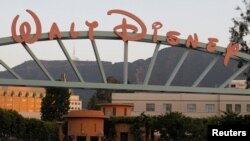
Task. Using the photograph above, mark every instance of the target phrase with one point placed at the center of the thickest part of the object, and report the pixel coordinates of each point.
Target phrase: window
(4, 93)
(132, 106)
(93, 138)
(248, 108)
(34, 94)
(233, 86)
(150, 107)
(210, 108)
(237, 108)
(114, 111)
(191, 107)
(27, 94)
(20, 94)
(167, 108)
(124, 136)
(79, 138)
(229, 107)
(12, 93)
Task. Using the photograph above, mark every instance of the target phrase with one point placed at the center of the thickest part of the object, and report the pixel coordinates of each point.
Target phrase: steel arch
(220, 51)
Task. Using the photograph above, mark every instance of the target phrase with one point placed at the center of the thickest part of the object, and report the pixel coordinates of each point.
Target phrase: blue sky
(207, 18)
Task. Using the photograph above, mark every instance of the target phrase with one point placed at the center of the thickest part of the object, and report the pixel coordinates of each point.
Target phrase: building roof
(116, 104)
(85, 114)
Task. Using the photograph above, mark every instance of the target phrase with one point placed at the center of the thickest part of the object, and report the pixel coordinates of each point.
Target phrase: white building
(75, 103)
(240, 84)
(194, 105)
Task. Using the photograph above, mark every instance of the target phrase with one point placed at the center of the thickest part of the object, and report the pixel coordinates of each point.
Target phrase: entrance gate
(221, 89)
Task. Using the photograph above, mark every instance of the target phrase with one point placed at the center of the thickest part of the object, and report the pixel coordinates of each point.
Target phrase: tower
(74, 54)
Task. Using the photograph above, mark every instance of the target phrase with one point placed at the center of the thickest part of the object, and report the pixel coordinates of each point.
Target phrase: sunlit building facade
(28, 100)
(25, 100)
(85, 125)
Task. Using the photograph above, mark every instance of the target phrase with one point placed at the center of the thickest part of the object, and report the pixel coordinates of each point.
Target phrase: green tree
(65, 129)
(5, 124)
(93, 103)
(172, 126)
(230, 117)
(139, 122)
(102, 96)
(38, 130)
(17, 124)
(240, 32)
(11, 124)
(55, 104)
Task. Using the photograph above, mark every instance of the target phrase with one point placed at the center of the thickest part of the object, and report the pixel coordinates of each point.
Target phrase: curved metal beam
(147, 39)
(134, 87)
(112, 36)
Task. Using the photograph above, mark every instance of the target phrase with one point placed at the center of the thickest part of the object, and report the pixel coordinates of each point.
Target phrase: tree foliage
(240, 32)
(41, 130)
(55, 104)
(13, 125)
(173, 126)
(102, 96)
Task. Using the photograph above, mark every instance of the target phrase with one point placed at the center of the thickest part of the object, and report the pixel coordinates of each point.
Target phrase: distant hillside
(165, 63)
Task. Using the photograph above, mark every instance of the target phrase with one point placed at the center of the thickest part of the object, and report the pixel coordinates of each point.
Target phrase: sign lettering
(122, 31)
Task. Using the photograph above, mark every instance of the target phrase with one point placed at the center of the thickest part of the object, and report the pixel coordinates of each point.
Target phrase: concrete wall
(120, 110)
(85, 127)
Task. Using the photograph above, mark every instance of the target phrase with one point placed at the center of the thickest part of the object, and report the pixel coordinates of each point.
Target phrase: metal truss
(50, 82)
